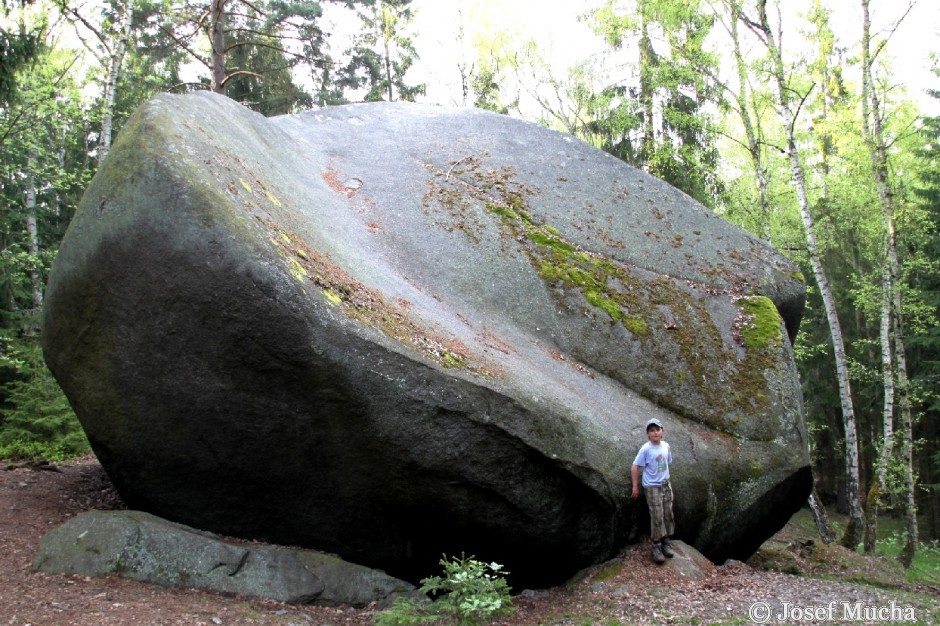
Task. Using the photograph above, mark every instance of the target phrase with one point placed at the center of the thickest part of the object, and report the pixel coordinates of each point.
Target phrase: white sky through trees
(564, 40)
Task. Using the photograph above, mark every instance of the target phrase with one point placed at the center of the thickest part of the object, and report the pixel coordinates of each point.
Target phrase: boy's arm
(635, 475)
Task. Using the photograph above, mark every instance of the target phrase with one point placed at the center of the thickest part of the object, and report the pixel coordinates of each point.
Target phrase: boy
(654, 459)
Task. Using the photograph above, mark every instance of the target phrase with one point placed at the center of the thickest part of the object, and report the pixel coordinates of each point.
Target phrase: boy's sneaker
(658, 555)
(667, 551)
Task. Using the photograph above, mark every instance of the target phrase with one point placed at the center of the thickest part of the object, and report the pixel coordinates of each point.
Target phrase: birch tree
(894, 361)
(788, 104)
(747, 105)
(112, 34)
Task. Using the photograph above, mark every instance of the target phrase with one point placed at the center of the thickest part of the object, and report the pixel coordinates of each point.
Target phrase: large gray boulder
(393, 331)
(140, 546)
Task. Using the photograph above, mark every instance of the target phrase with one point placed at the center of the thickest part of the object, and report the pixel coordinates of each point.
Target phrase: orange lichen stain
(490, 340)
(558, 356)
(333, 182)
(583, 370)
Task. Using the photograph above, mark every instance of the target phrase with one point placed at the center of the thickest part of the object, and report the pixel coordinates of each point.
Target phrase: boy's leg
(654, 498)
(669, 522)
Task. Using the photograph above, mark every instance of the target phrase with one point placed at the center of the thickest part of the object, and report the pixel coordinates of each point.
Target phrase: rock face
(391, 331)
(142, 547)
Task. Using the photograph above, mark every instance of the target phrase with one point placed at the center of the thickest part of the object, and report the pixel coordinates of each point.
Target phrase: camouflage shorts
(659, 500)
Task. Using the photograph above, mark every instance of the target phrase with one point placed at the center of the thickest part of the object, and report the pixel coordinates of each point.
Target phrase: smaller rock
(143, 547)
(689, 562)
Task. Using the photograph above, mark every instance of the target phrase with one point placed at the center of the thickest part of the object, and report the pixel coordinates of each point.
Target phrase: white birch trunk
(907, 451)
(32, 231)
(32, 235)
(886, 447)
(820, 517)
(114, 73)
(856, 524)
(753, 146)
(892, 334)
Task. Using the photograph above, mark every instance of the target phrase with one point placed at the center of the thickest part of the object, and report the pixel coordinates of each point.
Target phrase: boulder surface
(395, 331)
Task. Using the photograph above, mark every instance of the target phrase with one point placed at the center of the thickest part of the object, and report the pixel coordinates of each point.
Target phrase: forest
(776, 115)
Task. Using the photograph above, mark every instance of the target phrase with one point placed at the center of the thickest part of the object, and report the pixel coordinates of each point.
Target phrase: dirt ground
(627, 590)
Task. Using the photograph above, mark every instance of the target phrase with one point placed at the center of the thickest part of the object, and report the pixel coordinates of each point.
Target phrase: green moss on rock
(637, 326)
(604, 303)
(763, 329)
(544, 238)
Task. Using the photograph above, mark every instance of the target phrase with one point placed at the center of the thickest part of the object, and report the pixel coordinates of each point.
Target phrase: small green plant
(469, 592)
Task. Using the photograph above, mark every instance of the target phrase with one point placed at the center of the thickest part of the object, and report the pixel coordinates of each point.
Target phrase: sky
(555, 26)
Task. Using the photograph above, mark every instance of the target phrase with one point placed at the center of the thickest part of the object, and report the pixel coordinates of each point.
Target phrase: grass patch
(926, 566)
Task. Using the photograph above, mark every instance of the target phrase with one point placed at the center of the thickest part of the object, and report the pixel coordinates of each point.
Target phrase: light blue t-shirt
(655, 462)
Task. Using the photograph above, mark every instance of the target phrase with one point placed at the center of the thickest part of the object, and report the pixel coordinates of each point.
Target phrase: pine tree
(661, 120)
(382, 54)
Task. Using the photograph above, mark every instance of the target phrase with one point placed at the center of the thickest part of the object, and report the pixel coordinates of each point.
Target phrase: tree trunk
(753, 145)
(388, 30)
(893, 335)
(886, 449)
(217, 40)
(906, 432)
(30, 323)
(819, 515)
(856, 525)
(110, 88)
(32, 234)
(647, 60)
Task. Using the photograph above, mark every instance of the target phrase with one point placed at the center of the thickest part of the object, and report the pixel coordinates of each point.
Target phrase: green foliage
(17, 49)
(662, 121)
(924, 278)
(381, 55)
(407, 612)
(925, 568)
(469, 592)
(268, 88)
(44, 167)
(36, 421)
